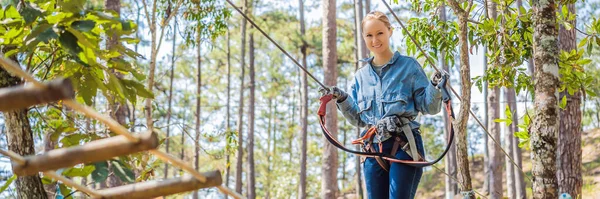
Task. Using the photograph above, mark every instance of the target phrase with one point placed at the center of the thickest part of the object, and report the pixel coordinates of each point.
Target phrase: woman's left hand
(439, 79)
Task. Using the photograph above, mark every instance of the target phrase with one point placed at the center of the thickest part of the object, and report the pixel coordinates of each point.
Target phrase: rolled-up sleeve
(349, 107)
(428, 99)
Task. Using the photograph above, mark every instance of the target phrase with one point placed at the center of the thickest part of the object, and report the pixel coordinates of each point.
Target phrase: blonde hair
(379, 16)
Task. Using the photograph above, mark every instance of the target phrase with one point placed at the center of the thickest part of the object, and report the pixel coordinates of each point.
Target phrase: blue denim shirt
(403, 90)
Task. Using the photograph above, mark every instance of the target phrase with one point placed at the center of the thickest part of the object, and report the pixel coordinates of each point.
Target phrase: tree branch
(582, 32)
(147, 14)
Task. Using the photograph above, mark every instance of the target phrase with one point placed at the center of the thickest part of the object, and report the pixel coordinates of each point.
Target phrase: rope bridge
(125, 143)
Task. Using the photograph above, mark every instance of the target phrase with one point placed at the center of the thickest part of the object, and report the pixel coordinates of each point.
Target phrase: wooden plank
(93, 151)
(19, 97)
(166, 187)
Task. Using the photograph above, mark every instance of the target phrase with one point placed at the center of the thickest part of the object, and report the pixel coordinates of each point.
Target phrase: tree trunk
(198, 106)
(519, 180)
(118, 111)
(303, 108)
(357, 42)
(545, 128)
(509, 142)
(361, 46)
(251, 174)
(451, 188)
(169, 109)
(184, 129)
(228, 122)
(153, 52)
(20, 140)
(490, 8)
(329, 166)
(569, 165)
(511, 98)
(462, 160)
(240, 125)
(270, 157)
(367, 6)
(495, 155)
(486, 152)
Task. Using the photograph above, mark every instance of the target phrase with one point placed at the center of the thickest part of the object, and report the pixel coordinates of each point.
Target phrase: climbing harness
(417, 159)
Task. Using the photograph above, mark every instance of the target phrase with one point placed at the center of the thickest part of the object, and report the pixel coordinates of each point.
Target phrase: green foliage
(523, 133)
(434, 36)
(208, 17)
(121, 170)
(100, 172)
(64, 39)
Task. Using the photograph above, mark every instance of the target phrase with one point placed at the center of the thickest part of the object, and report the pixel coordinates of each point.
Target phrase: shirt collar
(368, 60)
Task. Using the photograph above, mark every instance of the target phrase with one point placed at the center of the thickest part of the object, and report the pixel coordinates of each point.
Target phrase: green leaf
(29, 13)
(80, 172)
(124, 173)
(69, 41)
(501, 120)
(65, 191)
(100, 172)
(522, 135)
(115, 85)
(7, 183)
(582, 42)
(47, 34)
(46, 180)
(81, 38)
(56, 18)
(71, 140)
(83, 25)
(524, 144)
(141, 90)
(11, 12)
(563, 102)
(527, 120)
(87, 89)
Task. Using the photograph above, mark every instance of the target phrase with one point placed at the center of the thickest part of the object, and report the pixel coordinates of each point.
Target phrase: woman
(388, 93)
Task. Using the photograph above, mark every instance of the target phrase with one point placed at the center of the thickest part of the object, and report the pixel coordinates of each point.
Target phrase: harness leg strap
(413, 152)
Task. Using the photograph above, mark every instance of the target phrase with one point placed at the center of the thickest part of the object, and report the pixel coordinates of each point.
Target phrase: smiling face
(376, 35)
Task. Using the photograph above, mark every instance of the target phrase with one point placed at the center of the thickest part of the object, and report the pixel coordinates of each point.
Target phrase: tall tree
(20, 138)
(170, 100)
(360, 46)
(569, 165)
(509, 142)
(519, 182)
(153, 21)
(495, 156)
(451, 188)
(240, 124)
(228, 120)
(461, 123)
(545, 127)
(198, 104)
(250, 147)
(118, 110)
(519, 178)
(303, 106)
(329, 166)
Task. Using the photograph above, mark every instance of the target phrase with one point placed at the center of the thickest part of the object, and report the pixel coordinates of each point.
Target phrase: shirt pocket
(394, 104)
(364, 105)
(365, 112)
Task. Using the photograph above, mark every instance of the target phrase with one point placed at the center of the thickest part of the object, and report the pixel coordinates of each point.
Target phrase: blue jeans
(402, 180)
